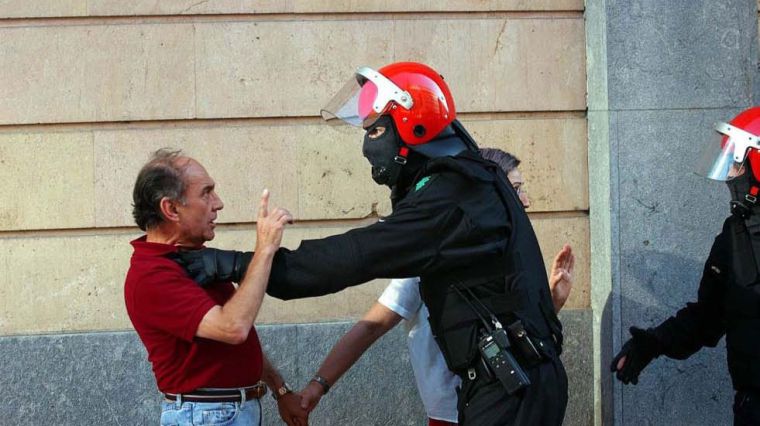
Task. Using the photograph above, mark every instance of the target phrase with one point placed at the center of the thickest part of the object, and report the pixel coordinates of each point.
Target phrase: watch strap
(322, 381)
(281, 391)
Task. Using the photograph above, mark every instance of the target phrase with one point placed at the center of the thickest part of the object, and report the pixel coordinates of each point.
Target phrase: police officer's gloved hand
(638, 351)
(209, 265)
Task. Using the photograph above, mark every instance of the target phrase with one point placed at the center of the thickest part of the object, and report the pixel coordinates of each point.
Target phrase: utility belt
(504, 353)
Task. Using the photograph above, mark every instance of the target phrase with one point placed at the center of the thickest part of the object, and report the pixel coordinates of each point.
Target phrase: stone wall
(660, 75)
(89, 88)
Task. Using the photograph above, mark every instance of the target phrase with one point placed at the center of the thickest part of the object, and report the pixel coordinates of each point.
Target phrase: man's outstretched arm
(375, 323)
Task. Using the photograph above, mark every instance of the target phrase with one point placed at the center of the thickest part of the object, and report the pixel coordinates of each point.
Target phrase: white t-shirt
(436, 384)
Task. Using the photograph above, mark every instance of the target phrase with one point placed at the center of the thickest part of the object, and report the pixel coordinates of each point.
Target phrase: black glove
(638, 351)
(208, 265)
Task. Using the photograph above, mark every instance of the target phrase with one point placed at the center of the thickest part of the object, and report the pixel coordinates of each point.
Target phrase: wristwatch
(281, 391)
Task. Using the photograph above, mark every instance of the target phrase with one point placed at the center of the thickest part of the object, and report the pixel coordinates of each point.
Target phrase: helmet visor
(363, 99)
(724, 158)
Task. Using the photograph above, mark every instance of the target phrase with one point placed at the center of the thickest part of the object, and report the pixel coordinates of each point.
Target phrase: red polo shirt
(166, 307)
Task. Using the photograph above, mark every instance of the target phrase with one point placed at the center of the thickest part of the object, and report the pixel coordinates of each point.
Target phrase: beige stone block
(42, 8)
(553, 231)
(151, 7)
(55, 8)
(318, 172)
(242, 161)
(75, 283)
(269, 69)
(309, 6)
(277, 68)
(286, 68)
(55, 74)
(85, 178)
(48, 179)
(312, 170)
(335, 180)
(502, 64)
(63, 284)
(553, 154)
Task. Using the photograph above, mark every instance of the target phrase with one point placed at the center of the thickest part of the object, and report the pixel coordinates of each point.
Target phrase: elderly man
(205, 352)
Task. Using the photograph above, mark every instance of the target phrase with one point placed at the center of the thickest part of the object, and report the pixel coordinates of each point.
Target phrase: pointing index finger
(264, 206)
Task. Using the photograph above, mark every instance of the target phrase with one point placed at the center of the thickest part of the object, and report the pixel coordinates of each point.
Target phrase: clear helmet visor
(724, 158)
(364, 98)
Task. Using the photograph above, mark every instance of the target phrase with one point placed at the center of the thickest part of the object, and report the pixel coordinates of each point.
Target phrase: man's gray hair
(505, 160)
(160, 177)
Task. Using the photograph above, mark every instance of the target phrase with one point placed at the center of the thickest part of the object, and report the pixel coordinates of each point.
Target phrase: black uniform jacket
(447, 219)
(728, 303)
(459, 225)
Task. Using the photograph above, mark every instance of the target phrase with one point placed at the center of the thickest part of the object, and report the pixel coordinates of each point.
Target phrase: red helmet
(739, 142)
(413, 94)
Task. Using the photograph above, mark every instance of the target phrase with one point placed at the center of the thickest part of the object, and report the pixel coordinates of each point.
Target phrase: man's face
(198, 213)
(517, 181)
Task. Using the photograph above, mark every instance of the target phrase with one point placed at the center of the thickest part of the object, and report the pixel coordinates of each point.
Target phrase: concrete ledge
(104, 378)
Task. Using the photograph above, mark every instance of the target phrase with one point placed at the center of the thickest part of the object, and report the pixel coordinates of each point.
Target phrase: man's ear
(169, 209)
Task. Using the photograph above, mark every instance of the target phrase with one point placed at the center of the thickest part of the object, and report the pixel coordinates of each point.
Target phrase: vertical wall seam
(195, 71)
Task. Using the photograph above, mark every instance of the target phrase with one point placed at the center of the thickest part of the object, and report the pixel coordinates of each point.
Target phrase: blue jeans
(211, 413)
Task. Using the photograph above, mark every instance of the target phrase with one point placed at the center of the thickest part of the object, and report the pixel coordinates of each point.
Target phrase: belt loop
(471, 374)
(242, 397)
(179, 401)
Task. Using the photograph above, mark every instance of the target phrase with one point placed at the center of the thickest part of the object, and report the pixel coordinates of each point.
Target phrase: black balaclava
(383, 152)
(745, 240)
(740, 188)
(397, 166)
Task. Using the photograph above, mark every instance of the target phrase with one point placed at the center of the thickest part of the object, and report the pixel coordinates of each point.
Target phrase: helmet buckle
(400, 160)
(750, 198)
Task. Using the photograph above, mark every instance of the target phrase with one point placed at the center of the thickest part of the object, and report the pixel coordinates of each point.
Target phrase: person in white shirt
(401, 301)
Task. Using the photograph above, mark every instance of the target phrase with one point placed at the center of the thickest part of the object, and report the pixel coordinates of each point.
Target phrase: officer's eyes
(376, 132)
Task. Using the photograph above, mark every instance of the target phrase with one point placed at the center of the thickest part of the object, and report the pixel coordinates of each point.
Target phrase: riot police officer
(728, 301)
(459, 226)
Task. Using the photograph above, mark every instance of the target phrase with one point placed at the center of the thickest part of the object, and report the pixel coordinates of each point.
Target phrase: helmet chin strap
(744, 201)
(403, 153)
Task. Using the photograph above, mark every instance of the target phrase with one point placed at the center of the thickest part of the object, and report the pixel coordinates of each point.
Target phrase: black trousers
(747, 408)
(485, 402)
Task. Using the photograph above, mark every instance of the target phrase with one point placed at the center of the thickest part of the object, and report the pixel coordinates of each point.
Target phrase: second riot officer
(728, 301)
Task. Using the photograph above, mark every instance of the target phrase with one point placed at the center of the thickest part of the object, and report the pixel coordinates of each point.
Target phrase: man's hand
(270, 225)
(561, 276)
(635, 355)
(208, 265)
(289, 406)
(310, 396)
